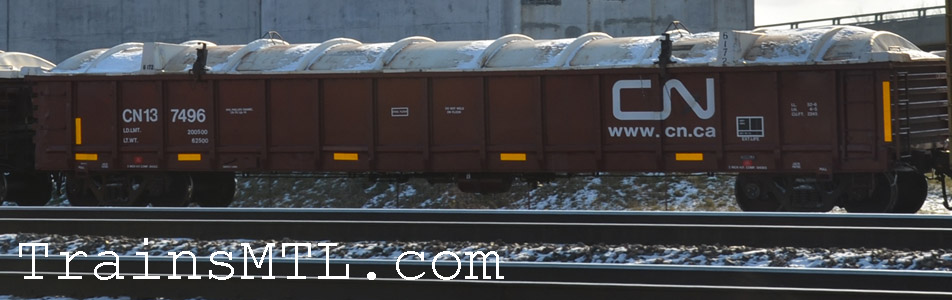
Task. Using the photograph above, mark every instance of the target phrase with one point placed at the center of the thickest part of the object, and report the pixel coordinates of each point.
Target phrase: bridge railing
(866, 19)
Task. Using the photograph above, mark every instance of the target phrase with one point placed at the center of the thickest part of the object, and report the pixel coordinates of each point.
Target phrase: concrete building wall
(56, 29)
(387, 20)
(568, 18)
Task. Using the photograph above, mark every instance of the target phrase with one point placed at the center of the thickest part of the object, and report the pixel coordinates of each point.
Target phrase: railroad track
(919, 232)
(522, 281)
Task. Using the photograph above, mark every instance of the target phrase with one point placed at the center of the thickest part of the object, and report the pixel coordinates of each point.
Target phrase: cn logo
(673, 84)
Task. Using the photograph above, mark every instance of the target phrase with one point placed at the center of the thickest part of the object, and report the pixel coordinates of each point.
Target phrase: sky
(780, 11)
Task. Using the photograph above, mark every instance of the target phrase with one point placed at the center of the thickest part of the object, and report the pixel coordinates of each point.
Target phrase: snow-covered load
(820, 45)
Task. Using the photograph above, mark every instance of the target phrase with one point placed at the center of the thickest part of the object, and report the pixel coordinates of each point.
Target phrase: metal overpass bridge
(923, 26)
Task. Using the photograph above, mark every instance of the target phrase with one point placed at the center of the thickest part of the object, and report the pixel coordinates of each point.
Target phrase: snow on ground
(934, 202)
(648, 192)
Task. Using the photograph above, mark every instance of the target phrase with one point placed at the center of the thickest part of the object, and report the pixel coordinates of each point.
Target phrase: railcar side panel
(457, 132)
(514, 124)
(808, 121)
(572, 129)
(242, 113)
(348, 127)
(627, 147)
(294, 116)
(96, 139)
(860, 133)
(141, 120)
(692, 132)
(190, 131)
(402, 130)
(54, 126)
(793, 120)
(750, 100)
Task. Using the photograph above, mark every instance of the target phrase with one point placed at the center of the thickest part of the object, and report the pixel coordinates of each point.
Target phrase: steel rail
(578, 216)
(522, 280)
(342, 225)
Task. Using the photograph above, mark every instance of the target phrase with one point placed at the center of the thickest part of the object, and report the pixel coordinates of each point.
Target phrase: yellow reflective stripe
(512, 156)
(345, 156)
(887, 113)
(79, 131)
(689, 156)
(190, 156)
(87, 156)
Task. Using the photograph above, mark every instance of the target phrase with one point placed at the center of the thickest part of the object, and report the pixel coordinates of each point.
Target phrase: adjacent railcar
(810, 118)
(21, 182)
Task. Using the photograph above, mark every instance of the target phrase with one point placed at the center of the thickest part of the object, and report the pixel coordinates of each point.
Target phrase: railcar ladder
(922, 117)
(923, 102)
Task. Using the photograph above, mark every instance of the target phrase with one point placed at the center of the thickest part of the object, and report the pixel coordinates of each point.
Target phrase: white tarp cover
(818, 45)
(17, 64)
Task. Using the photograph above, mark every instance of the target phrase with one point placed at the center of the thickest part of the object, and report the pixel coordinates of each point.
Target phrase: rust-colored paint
(348, 122)
(514, 121)
(189, 117)
(457, 129)
(401, 124)
(54, 130)
(141, 123)
(94, 99)
(572, 126)
(242, 110)
(798, 119)
(294, 118)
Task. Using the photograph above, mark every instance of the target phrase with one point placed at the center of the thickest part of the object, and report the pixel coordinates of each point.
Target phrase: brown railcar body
(808, 119)
(819, 119)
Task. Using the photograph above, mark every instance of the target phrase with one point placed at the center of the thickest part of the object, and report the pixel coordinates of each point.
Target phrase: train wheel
(215, 189)
(107, 189)
(29, 189)
(882, 199)
(173, 190)
(78, 193)
(125, 190)
(751, 193)
(913, 190)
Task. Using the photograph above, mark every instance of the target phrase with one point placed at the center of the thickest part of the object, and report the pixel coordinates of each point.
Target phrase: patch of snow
(365, 57)
(473, 51)
(126, 61)
(787, 46)
(704, 50)
(291, 57)
(549, 50)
